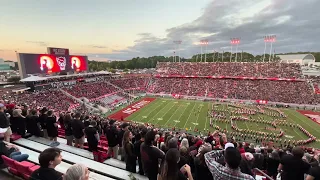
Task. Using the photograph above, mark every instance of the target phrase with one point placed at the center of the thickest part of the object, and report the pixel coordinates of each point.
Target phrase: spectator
(137, 146)
(314, 172)
(258, 159)
(18, 122)
(150, 156)
(113, 139)
(48, 160)
(68, 129)
(130, 157)
(52, 126)
(77, 172)
(124, 127)
(292, 166)
(92, 136)
(170, 169)
(32, 124)
(184, 143)
(78, 130)
(231, 170)
(43, 121)
(61, 120)
(10, 151)
(86, 121)
(5, 123)
(201, 169)
(273, 161)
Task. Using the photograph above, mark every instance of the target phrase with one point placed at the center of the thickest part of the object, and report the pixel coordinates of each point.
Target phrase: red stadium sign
(58, 51)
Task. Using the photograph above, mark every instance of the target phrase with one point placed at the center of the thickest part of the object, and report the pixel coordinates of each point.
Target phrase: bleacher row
(105, 169)
(110, 101)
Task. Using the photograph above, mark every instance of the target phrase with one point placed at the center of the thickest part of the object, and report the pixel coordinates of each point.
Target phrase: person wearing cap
(5, 123)
(232, 159)
(112, 134)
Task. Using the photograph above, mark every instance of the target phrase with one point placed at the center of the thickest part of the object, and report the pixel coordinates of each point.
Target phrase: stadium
(262, 104)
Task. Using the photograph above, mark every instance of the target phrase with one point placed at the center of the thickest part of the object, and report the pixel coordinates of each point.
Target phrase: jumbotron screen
(49, 63)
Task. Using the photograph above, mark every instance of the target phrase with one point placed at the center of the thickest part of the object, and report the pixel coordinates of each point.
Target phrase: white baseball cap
(3, 130)
(227, 145)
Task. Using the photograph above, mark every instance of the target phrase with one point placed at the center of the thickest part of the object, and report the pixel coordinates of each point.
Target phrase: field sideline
(193, 114)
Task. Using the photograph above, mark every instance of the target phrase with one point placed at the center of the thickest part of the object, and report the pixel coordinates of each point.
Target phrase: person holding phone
(170, 169)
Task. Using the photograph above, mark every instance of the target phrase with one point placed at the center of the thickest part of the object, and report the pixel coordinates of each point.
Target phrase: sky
(121, 30)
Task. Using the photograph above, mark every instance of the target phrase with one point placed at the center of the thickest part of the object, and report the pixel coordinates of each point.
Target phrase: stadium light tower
(204, 43)
(178, 44)
(235, 41)
(272, 40)
(266, 39)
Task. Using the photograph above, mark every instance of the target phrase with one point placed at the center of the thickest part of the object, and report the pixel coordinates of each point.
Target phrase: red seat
(33, 168)
(14, 137)
(10, 165)
(23, 168)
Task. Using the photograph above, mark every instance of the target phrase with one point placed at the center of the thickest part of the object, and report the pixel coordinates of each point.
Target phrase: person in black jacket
(68, 128)
(5, 123)
(32, 124)
(52, 126)
(78, 130)
(124, 127)
(201, 169)
(43, 121)
(18, 122)
(137, 146)
(48, 160)
(92, 136)
(113, 141)
(129, 156)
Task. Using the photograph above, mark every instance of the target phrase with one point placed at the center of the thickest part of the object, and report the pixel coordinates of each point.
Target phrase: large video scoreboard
(57, 60)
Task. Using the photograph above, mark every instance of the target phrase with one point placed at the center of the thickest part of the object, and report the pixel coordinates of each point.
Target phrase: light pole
(205, 43)
(266, 39)
(272, 40)
(235, 41)
(178, 43)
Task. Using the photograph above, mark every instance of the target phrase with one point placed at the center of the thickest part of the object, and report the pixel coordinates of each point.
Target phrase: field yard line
(303, 121)
(298, 133)
(158, 112)
(149, 112)
(205, 125)
(198, 115)
(181, 114)
(189, 115)
(168, 111)
(171, 116)
(155, 107)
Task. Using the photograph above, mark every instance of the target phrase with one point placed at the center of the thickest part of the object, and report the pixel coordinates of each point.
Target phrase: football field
(193, 115)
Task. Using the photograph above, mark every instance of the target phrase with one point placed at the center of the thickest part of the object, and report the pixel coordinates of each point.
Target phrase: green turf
(192, 114)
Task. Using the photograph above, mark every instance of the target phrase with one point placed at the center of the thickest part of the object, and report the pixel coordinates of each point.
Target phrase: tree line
(150, 62)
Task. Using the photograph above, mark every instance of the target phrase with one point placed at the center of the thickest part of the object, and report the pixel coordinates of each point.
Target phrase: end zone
(127, 111)
(314, 116)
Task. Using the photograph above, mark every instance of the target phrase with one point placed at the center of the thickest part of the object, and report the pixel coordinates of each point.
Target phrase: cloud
(39, 43)
(295, 22)
(97, 46)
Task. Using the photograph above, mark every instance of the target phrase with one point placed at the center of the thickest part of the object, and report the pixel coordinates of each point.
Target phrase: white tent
(33, 79)
(302, 59)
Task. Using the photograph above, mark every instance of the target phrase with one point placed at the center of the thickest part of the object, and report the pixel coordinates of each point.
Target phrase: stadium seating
(248, 69)
(72, 158)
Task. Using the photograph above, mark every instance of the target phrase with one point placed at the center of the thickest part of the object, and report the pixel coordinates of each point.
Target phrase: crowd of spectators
(299, 92)
(130, 82)
(51, 98)
(247, 69)
(181, 155)
(90, 90)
